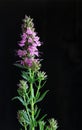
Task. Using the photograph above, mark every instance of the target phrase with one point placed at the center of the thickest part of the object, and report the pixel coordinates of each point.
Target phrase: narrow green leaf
(20, 66)
(37, 114)
(21, 123)
(38, 95)
(42, 96)
(43, 117)
(25, 75)
(36, 108)
(43, 84)
(20, 99)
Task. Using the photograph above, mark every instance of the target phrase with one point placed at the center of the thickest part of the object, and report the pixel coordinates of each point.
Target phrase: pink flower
(28, 61)
(22, 62)
(38, 43)
(30, 40)
(22, 42)
(24, 36)
(34, 34)
(21, 53)
(36, 40)
(29, 31)
(33, 50)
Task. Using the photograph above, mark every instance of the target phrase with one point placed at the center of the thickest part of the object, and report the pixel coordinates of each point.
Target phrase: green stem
(26, 107)
(32, 96)
(38, 88)
(25, 127)
(32, 105)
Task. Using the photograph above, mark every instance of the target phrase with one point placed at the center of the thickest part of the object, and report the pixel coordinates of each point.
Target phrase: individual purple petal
(35, 53)
(21, 44)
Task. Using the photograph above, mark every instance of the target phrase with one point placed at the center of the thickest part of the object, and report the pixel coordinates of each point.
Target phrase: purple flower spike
(28, 44)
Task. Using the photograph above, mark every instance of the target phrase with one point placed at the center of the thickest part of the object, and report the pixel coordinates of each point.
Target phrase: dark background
(59, 24)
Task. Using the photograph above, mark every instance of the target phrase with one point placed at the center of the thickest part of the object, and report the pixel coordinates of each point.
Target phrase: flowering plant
(33, 80)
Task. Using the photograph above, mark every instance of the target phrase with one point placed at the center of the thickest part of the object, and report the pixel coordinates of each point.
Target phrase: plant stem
(25, 127)
(38, 88)
(32, 96)
(32, 105)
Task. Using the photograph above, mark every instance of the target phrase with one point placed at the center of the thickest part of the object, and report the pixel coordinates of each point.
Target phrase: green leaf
(37, 114)
(43, 84)
(36, 108)
(38, 95)
(42, 117)
(28, 101)
(36, 98)
(25, 75)
(42, 96)
(20, 66)
(20, 99)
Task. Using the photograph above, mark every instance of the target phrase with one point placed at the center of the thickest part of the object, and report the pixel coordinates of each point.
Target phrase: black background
(59, 25)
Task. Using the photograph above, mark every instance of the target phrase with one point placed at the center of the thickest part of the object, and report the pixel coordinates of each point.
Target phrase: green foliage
(41, 97)
(29, 95)
(41, 125)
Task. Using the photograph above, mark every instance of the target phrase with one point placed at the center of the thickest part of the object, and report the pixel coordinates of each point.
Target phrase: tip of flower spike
(28, 21)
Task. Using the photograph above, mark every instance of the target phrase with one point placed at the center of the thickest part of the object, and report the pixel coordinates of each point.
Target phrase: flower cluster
(28, 51)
